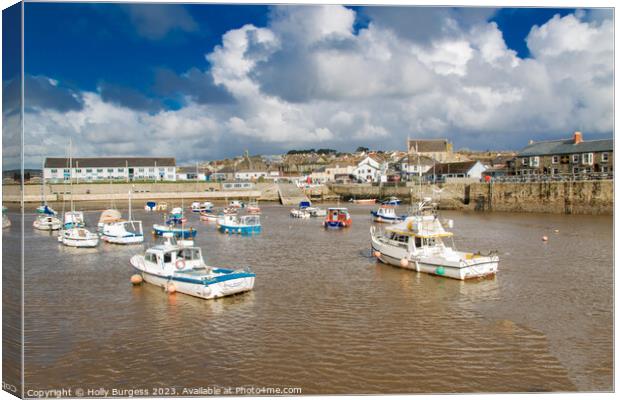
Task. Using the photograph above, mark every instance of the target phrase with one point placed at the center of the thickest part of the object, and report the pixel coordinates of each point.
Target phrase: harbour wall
(570, 197)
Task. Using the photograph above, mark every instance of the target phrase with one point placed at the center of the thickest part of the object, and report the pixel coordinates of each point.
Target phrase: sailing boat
(44, 208)
(74, 234)
(109, 216)
(123, 232)
(6, 222)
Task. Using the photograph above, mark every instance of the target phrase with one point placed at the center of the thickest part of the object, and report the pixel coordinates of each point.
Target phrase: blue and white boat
(73, 219)
(179, 268)
(243, 225)
(185, 233)
(392, 201)
(176, 216)
(387, 214)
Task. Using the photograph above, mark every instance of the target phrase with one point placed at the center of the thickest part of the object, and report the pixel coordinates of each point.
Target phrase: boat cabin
(172, 257)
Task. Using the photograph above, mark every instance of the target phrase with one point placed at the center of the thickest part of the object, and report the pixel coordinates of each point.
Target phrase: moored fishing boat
(417, 244)
(236, 204)
(209, 216)
(337, 217)
(301, 211)
(387, 214)
(176, 216)
(244, 225)
(391, 201)
(185, 233)
(47, 222)
(182, 269)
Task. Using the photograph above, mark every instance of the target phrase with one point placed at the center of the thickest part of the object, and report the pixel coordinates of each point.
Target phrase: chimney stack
(577, 137)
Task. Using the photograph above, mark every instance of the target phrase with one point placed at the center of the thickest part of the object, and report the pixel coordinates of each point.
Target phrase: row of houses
(427, 159)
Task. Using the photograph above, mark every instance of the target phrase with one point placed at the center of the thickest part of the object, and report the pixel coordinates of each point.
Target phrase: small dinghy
(185, 233)
(363, 201)
(47, 223)
(300, 213)
(78, 237)
(150, 206)
(387, 214)
(243, 225)
(210, 216)
(253, 207)
(180, 268)
(337, 217)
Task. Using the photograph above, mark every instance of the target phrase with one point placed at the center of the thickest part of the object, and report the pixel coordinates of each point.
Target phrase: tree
(362, 149)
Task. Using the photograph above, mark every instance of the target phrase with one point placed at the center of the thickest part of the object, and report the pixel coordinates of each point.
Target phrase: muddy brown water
(324, 316)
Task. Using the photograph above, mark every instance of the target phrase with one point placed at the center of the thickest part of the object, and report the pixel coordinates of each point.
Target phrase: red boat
(337, 218)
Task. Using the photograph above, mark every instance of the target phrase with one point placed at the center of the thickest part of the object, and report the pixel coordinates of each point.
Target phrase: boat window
(418, 242)
(167, 257)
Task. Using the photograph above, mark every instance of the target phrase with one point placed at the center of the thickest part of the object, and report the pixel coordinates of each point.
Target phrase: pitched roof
(108, 162)
(461, 167)
(567, 146)
(415, 159)
(428, 145)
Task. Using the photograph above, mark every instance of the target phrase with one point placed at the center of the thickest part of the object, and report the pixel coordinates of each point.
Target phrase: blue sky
(208, 81)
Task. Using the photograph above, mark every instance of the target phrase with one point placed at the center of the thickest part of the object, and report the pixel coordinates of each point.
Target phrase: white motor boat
(300, 213)
(198, 207)
(387, 214)
(236, 204)
(316, 211)
(417, 244)
(46, 222)
(181, 268)
(78, 237)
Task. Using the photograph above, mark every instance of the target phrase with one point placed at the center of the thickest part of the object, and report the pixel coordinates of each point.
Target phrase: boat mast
(70, 175)
(130, 205)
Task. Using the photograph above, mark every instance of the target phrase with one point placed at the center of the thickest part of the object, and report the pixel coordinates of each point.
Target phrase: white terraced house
(128, 169)
(370, 169)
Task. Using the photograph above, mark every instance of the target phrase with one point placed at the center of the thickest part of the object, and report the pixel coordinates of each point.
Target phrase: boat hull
(47, 227)
(132, 239)
(79, 242)
(222, 286)
(376, 217)
(240, 230)
(179, 233)
(393, 255)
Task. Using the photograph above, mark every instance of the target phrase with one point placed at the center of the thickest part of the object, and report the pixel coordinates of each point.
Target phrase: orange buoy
(170, 288)
(545, 238)
(404, 262)
(136, 279)
(377, 253)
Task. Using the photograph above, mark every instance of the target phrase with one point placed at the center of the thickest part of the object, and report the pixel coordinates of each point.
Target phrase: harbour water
(325, 317)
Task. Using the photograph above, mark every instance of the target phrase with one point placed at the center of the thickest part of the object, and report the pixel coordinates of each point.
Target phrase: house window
(54, 170)
(587, 158)
(120, 169)
(555, 159)
(575, 170)
(110, 170)
(151, 169)
(575, 158)
(140, 169)
(524, 161)
(604, 168)
(89, 170)
(604, 157)
(99, 170)
(534, 161)
(170, 169)
(555, 171)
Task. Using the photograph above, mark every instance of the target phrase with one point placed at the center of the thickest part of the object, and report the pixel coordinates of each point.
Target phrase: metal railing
(593, 176)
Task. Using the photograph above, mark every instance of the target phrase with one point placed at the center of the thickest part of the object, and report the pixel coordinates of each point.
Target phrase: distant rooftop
(567, 146)
(429, 145)
(110, 162)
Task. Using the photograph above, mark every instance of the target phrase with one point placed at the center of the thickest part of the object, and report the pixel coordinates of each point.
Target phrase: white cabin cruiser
(46, 222)
(199, 207)
(170, 263)
(417, 243)
(74, 219)
(78, 237)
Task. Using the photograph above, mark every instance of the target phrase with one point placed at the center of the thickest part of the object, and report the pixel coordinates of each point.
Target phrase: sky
(201, 82)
